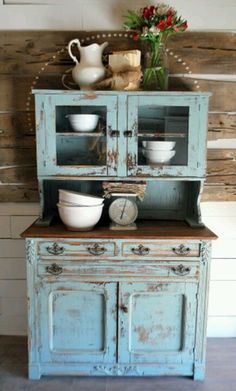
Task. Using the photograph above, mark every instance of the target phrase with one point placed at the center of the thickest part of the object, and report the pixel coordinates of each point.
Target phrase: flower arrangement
(154, 24)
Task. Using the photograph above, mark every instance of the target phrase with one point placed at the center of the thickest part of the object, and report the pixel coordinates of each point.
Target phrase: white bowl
(156, 156)
(83, 122)
(64, 203)
(80, 218)
(72, 197)
(159, 145)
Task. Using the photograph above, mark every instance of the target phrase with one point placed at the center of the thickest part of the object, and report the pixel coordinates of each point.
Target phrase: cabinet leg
(34, 372)
(199, 372)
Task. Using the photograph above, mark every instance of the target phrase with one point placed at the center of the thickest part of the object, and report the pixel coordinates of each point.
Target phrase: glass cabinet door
(166, 132)
(80, 135)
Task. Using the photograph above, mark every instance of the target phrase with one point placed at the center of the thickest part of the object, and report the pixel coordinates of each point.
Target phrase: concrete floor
(220, 376)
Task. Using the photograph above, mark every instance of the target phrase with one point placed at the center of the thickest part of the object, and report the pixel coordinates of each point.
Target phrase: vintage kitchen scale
(123, 209)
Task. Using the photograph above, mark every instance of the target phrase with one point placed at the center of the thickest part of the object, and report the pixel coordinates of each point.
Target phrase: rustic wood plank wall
(199, 61)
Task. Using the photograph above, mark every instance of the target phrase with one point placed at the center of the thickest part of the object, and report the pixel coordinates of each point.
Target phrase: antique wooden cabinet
(127, 303)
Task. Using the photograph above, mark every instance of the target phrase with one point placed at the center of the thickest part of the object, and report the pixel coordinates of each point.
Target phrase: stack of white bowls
(158, 151)
(79, 211)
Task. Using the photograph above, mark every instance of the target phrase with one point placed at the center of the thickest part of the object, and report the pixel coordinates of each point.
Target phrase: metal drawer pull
(128, 133)
(115, 133)
(96, 250)
(181, 270)
(124, 309)
(55, 249)
(54, 269)
(181, 250)
(140, 250)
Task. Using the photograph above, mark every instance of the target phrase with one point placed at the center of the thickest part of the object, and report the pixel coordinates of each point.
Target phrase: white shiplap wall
(14, 218)
(220, 217)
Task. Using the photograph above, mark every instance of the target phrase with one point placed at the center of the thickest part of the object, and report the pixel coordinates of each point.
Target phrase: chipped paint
(143, 334)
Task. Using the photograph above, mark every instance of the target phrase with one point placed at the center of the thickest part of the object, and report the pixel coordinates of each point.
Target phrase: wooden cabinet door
(181, 119)
(77, 322)
(62, 150)
(157, 322)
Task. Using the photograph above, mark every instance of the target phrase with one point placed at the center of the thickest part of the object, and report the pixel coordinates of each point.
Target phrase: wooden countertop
(146, 230)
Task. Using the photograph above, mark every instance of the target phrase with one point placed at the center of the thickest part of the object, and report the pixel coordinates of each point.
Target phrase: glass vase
(155, 69)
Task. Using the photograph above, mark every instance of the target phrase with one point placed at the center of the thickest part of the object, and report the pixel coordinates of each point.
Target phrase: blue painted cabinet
(139, 306)
(157, 323)
(77, 322)
(126, 314)
(126, 120)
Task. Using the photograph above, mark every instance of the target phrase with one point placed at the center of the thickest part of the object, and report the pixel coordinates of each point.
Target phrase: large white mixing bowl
(80, 218)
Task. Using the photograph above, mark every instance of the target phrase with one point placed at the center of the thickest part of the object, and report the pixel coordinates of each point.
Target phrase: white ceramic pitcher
(90, 69)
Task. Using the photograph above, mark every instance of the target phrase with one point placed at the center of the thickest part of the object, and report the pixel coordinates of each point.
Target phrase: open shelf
(162, 135)
(81, 134)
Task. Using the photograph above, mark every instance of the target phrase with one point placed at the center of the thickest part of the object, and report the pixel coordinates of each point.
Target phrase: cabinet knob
(181, 270)
(96, 249)
(124, 308)
(114, 133)
(55, 249)
(128, 133)
(54, 269)
(181, 250)
(140, 250)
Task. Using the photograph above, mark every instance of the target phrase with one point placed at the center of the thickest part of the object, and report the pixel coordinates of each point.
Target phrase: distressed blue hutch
(127, 303)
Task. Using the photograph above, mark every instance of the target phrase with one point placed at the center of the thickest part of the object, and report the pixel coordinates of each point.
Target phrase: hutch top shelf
(126, 121)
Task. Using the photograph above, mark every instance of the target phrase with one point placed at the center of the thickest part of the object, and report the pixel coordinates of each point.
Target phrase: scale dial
(123, 211)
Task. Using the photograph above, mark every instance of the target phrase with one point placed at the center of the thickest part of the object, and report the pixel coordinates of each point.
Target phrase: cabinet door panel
(66, 151)
(157, 322)
(168, 118)
(78, 322)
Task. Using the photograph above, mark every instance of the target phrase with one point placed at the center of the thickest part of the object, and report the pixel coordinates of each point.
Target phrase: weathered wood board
(38, 59)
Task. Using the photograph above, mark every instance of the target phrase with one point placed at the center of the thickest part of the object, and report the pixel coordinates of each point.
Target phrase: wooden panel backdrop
(37, 59)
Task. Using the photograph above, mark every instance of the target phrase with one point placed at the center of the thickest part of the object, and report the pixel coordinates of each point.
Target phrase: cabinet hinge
(44, 163)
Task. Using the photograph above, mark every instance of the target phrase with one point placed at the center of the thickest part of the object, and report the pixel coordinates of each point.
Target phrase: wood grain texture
(160, 230)
(221, 126)
(39, 58)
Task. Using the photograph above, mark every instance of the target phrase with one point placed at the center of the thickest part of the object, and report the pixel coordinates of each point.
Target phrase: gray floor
(220, 376)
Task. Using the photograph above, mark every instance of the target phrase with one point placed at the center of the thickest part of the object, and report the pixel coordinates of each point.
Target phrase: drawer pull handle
(115, 133)
(55, 249)
(96, 250)
(54, 269)
(181, 270)
(181, 250)
(128, 133)
(124, 309)
(140, 250)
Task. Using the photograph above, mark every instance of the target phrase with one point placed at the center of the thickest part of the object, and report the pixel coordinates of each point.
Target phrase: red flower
(184, 26)
(170, 11)
(152, 9)
(136, 37)
(148, 12)
(169, 21)
(161, 25)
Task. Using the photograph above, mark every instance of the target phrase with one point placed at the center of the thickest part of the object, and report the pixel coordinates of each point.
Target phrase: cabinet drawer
(76, 249)
(174, 270)
(160, 249)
